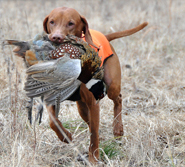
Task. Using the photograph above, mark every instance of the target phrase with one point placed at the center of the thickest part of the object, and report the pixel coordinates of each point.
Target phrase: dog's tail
(125, 33)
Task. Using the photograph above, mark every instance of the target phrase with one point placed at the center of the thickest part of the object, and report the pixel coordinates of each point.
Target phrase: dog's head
(65, 21)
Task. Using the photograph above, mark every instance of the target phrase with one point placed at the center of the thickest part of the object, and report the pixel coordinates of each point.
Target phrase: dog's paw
(118, 130)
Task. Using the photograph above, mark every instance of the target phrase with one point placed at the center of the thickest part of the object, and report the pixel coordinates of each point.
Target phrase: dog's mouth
(56, 38)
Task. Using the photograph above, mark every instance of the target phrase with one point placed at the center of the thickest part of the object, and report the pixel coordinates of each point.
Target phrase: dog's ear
(87, 33)
(45, 24)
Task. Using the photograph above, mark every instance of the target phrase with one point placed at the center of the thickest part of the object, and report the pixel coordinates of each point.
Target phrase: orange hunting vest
(101, 41)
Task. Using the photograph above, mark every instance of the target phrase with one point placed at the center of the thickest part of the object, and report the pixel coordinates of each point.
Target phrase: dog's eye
(51, 22)
(70, 23)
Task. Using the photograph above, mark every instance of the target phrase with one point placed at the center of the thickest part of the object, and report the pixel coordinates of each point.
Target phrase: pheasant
(56, 71)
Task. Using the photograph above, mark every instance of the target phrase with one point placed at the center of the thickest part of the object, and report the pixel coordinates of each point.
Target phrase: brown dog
(61, 22)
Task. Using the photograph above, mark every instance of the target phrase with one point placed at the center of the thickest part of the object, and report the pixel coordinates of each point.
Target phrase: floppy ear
(45, 24)
(86, 31)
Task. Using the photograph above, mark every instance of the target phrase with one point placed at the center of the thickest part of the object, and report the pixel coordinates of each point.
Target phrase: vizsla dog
(61, 22)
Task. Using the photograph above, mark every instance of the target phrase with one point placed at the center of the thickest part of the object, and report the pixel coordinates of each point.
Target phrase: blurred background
(153, 82)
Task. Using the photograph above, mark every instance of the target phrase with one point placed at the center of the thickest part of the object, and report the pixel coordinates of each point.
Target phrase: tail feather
(22, 45)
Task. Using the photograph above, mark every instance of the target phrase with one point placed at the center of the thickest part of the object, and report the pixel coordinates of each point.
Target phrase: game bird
(56, 71)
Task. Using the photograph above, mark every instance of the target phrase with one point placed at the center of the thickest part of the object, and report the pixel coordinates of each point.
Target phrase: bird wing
(64, 93)
(61, 72)
(36, 88)
(52, 78)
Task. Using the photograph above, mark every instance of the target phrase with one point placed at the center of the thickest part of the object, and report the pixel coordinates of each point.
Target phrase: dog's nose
(57, 38)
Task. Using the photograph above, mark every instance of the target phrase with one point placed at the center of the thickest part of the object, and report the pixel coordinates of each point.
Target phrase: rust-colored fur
(61, 22)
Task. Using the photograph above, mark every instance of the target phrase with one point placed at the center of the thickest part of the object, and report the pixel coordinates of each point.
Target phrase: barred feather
(56, 70)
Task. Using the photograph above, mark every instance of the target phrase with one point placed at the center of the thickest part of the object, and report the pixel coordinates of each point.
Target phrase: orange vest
(101, 41)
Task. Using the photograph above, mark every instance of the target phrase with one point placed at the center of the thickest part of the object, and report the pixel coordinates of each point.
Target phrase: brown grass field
(153, 87)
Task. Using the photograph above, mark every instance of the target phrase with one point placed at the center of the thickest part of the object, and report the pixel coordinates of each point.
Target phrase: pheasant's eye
(51, 22)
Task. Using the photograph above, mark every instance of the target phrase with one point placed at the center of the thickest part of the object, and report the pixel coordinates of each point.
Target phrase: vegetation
(153, 88)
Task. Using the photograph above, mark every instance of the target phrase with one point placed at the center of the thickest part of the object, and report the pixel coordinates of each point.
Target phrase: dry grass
(153, 88)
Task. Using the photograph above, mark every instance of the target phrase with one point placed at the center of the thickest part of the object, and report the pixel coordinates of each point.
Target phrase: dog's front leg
(94, 130)
(112, 78)
(56, 125)
(93, 121)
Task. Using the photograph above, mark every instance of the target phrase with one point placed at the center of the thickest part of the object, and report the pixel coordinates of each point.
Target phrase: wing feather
(52, 78)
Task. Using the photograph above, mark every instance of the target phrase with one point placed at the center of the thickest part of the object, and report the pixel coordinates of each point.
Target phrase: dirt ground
(153, 87)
